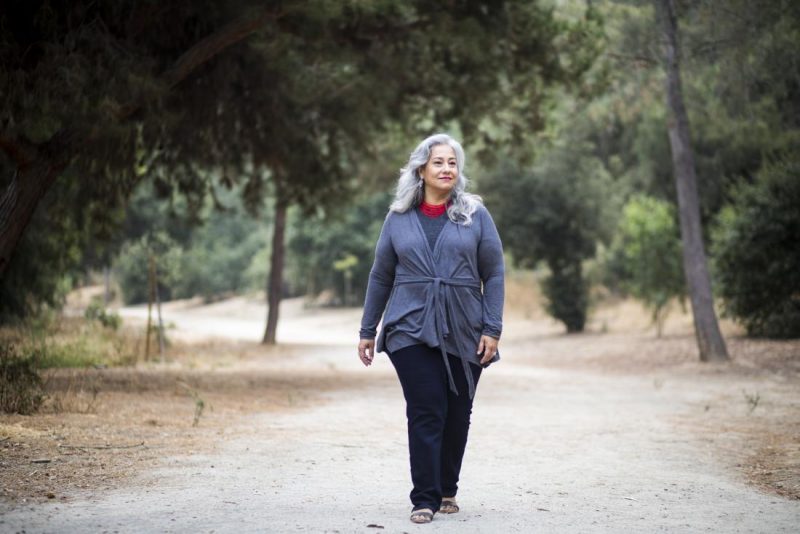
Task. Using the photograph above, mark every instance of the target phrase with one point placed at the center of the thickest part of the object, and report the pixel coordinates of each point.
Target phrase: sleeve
(491, 269)
(381, 280)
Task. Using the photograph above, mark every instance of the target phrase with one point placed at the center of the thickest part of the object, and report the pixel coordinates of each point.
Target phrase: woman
(437, 249)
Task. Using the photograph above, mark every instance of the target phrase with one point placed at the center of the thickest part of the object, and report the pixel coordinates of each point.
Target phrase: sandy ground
(602, 432)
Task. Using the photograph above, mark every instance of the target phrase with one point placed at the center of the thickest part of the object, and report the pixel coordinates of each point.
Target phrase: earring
(419, 184)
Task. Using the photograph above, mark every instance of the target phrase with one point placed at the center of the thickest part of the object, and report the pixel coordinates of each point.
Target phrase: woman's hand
(488, 346)
(366, 350)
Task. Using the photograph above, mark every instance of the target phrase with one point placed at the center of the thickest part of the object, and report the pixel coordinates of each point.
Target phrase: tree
(132, 268)
(756, 252)
(320, 242)
(212, 256)
(27, 30)
(709, 338)
(290, 111)
(554, 213)
(647, 249)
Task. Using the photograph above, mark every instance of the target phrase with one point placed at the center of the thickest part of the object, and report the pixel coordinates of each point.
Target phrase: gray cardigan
(434, 296)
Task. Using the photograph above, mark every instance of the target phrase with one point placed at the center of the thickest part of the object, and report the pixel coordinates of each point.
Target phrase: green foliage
(738, 65)
(132, 267)
(53, 342)
(97, 312)
(47, 261)
(756, 252)
(20, 385)
(74, 353)
(740, 86)
(218, 256)
(293, 111)
(646, 253)
(554, 212)
(343, 239)
(567, 293)
(222, 252)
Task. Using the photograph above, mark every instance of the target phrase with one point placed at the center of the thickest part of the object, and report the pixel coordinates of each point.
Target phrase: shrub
(20, 385)
(132, 267)
(567, 293)
(756, 252)
(78, 352)
(553, 213)
(646, 255)
(96, 312)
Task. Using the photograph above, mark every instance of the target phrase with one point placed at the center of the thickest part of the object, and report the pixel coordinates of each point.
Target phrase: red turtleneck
(432, 210)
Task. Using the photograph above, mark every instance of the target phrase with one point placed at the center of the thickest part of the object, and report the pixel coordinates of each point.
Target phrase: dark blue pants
(438, 421)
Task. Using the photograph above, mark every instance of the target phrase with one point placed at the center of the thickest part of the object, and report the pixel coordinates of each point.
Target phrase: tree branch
(204, 50)
(215, 43)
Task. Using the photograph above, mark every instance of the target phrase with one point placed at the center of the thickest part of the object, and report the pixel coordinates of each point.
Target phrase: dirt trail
(556, 446)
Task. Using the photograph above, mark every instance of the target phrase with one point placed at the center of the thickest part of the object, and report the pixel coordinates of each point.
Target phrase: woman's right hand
(366, 350)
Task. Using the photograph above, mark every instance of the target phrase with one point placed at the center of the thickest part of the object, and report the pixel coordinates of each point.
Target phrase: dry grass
(99, 425)
(102, 426)
(753, 421)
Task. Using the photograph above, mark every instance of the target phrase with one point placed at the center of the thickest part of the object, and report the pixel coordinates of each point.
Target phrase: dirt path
(557, 445)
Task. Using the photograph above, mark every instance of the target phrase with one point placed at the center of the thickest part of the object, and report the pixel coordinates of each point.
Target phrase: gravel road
(550, 451)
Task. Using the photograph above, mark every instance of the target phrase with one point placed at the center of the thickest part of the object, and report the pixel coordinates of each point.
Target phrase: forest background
(252, 148)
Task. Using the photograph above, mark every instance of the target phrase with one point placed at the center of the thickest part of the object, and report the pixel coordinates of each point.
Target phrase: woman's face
(441, 171)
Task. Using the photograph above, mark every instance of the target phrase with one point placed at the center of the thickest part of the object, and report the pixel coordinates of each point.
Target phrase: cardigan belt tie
(437, 310)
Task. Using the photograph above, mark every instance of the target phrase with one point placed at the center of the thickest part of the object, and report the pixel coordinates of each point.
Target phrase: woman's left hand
(488, 346)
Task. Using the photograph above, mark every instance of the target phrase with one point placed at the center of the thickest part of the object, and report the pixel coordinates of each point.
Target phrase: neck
(434, 199)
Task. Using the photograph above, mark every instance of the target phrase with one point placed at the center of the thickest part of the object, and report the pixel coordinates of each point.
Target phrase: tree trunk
(36, 173)
(39, 166)
(695, 267)
(275, 277)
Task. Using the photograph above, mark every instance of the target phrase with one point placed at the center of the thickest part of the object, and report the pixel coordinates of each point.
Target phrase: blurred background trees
(287, 101)
(304, 112)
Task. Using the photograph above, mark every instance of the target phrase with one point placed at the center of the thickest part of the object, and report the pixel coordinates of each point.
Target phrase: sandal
(449, 506)
(423, 515)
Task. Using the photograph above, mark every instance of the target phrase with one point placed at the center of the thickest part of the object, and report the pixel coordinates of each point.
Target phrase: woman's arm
(381, 280)
(491, 269)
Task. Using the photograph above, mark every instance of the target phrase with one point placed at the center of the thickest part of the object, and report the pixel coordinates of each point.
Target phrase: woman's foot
(423, 515)
(449, 506)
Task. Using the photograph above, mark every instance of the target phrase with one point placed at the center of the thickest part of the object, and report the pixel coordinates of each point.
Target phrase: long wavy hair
(409, 194)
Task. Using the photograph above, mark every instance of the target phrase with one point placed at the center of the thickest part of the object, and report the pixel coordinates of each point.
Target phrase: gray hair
(409, 194)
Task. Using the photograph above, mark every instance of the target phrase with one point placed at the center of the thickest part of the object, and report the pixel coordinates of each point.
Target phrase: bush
(320, 242)
(209, 257)
(567, 293)
(96, 312)
(554, 213)
(645, 255)
(20, 385)
(132, 267)
(53, 341)
(756, 252)
(73, 353)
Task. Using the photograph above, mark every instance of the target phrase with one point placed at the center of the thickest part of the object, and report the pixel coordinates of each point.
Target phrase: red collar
(433, 210)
